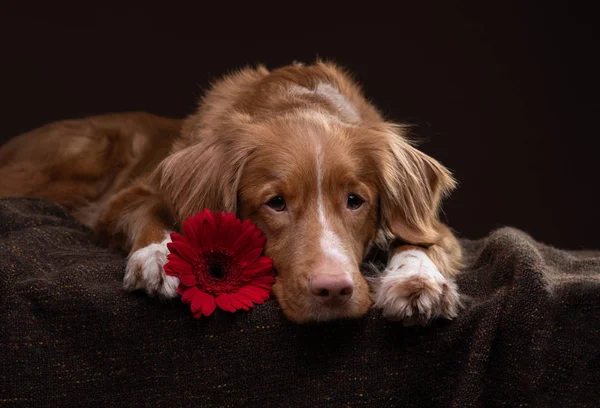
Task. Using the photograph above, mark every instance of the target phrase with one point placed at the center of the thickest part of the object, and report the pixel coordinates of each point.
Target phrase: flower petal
(224, 224)
(259, 268)
(230, 235)
(221, 228)
(224, 302)
(202, 238)
(253, 238)
(209, 229)
(176, 266)
(196, 302)
(187, 279)
(244, 299)
(183, 250)
(250, 257)
(254, 293)
(203, 302)
(231, 301)
(264, 282)
(208, 305)
(175, 236)
(227, 223)
(243, 238)
(178, 238)
(236, 303)
(262, 292)
(189, 294)
(259, 238)
(191, 231)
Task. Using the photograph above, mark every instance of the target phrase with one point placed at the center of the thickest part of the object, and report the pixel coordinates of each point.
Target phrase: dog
(300, 152)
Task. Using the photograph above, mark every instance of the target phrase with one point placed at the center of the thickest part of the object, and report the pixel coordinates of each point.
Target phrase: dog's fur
(305, 133)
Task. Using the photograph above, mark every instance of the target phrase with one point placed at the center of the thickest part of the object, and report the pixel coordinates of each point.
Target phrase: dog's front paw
(414, 291)
(145, 270)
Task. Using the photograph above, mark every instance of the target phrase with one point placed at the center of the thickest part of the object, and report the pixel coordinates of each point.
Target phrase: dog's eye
(277, 203)
(354, 201)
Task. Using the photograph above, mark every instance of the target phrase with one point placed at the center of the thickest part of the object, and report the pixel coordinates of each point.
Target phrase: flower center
(217, 271)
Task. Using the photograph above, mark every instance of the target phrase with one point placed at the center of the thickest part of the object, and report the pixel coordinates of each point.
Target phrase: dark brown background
(504, 96)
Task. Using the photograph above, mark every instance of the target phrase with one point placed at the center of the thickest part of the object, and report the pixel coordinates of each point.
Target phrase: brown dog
(299, 151)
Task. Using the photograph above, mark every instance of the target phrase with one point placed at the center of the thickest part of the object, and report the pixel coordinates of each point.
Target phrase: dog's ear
(412, 185)
(203, 175)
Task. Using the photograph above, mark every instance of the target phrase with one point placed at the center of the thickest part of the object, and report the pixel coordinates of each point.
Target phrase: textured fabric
(70, 337)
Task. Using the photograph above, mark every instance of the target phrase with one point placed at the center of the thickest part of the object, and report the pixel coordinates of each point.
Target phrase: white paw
(145, 271)
(413, 290)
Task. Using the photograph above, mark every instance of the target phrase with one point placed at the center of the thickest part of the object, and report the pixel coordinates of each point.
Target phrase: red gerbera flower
(218, 262)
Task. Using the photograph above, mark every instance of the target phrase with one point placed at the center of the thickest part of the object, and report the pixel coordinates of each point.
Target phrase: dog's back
(77, 162)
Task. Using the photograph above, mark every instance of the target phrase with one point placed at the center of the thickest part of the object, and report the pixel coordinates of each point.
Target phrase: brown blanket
(69, 336)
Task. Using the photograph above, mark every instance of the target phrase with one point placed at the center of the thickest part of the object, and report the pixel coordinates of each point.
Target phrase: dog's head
(321, 190)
